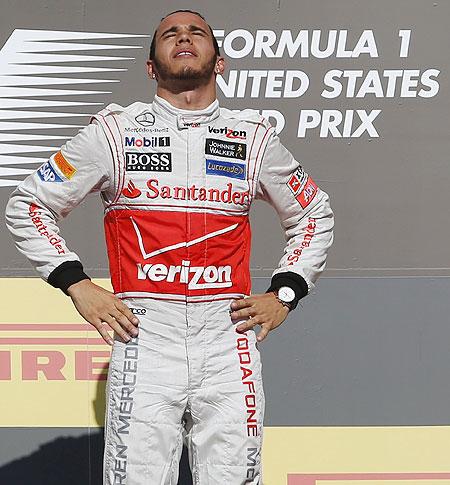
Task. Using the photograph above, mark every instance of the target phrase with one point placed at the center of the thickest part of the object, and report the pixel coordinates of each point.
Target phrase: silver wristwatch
(286, 296)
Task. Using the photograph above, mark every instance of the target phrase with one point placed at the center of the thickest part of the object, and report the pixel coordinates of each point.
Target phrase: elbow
(10, 211)
(15, 212)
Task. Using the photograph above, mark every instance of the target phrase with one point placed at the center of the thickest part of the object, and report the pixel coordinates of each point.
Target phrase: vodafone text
(245, 361)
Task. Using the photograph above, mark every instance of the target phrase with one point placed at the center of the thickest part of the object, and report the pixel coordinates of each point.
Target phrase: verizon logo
(195, 277)
(228, 132)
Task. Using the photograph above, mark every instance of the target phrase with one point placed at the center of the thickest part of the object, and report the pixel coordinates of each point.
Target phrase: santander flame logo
(131, 191)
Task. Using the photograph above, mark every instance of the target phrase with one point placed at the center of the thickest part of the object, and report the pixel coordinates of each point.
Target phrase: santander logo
(131, 191)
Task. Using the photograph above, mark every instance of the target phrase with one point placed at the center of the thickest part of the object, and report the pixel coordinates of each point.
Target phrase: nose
(184, 36)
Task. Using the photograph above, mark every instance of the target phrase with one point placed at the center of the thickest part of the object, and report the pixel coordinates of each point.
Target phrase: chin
(187, 72)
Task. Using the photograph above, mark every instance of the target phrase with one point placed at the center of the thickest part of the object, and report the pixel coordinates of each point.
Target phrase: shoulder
(132, 110)
(245, 115)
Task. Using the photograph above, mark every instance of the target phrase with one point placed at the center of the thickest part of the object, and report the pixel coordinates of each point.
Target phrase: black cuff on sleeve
(67, 274)
(294, 281)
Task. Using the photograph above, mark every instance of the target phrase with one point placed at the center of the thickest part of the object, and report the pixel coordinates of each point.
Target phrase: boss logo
(148, 162)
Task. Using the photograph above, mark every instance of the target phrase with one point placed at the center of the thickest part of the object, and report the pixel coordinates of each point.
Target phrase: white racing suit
(177, 187)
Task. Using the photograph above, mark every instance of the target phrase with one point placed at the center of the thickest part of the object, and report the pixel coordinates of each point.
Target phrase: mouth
(185, 53)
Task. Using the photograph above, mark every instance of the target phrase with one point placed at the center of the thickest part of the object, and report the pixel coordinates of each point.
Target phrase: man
(177, 178)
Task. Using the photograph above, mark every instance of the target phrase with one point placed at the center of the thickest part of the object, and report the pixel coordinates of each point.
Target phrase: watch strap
(288, 304)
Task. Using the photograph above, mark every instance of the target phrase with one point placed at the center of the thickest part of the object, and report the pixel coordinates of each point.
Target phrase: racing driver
(177, 177)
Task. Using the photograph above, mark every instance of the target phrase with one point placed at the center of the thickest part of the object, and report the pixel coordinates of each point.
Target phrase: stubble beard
(186, 74)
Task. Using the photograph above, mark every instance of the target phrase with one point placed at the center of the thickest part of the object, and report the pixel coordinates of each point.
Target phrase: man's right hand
(100, 307)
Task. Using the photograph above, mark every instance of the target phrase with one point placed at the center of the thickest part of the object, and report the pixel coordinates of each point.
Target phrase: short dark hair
(153, 43)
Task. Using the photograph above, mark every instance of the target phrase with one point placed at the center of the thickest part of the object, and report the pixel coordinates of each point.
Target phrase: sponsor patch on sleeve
(67, 169)
(297, 180)
(308, 193)
(48, 174)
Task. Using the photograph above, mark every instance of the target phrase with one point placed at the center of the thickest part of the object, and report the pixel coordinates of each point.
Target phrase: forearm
(51, 193)
(309, 236)
(35, 232)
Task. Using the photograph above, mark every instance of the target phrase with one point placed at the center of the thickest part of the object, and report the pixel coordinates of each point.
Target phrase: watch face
(286, 294)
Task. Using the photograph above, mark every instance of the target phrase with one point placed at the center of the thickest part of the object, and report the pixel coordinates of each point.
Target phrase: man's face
(184, 49)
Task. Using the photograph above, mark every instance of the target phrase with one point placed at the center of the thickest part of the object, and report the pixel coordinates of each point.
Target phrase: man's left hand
(264, 310)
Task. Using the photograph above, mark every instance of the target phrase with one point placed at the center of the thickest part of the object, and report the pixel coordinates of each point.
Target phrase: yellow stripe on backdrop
(50, 362)
(400, 455)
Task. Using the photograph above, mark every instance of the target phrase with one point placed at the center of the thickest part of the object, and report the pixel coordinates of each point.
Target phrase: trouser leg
(146, 400)
(226, 399)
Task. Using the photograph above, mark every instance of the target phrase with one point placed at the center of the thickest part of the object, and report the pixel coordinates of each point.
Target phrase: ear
(220, 65)
(151, 69)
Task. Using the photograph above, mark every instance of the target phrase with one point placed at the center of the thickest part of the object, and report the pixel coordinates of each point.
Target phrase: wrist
(75, 288)
(293, 281)
(286, 297)
(66, 275)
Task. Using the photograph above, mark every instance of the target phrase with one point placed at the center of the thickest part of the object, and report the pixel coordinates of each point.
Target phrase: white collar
(185, 117)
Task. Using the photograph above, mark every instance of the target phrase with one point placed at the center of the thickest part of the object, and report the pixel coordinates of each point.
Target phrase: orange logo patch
(66, 168)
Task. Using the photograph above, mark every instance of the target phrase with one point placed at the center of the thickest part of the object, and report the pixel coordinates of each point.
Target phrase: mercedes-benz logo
(145, 119)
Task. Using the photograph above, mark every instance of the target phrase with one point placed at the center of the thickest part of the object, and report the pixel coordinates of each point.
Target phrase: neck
(191, 98)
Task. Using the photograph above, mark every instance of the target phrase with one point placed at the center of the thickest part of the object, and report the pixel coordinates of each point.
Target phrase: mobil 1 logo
(227, 149)
(148, 162)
